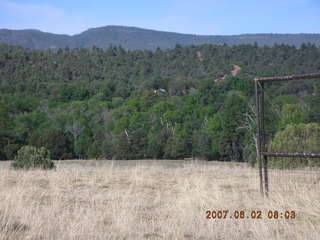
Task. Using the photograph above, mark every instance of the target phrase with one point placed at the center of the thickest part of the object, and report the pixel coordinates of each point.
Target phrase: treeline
(142, 39)
(93, 103)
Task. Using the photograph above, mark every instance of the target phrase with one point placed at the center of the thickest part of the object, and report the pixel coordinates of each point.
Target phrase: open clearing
(153, 200)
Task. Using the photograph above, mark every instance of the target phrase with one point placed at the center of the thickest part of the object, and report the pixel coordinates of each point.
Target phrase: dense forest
(192, 101)
(134, 38)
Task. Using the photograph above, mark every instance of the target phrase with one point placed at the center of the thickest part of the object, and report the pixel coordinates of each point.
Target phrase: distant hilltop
(138, 38)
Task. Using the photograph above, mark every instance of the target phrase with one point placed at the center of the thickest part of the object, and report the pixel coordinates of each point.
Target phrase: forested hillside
(114, 103)
(138, 38)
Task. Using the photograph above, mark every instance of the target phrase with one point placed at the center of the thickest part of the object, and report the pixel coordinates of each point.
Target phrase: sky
(205, 17)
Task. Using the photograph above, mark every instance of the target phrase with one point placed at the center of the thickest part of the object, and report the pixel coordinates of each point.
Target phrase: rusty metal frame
(263, 154)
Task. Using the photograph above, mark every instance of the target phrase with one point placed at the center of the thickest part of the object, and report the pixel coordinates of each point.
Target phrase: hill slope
(138, 38)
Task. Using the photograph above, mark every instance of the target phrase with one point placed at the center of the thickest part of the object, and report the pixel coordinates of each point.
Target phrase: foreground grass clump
(32, 157)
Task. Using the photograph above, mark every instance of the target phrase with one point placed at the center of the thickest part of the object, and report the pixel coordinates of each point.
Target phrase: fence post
(257, 91)
(263, 141)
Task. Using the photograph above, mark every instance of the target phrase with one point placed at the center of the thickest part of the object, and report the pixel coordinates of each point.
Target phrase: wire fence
(288, 131)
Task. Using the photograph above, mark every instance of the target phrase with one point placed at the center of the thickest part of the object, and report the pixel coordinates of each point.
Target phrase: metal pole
(257, 88)
(263, 142)
(266, 179)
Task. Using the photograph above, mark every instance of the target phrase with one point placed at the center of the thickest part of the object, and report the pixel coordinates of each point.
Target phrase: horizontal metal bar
(286, 78)
(287, 154)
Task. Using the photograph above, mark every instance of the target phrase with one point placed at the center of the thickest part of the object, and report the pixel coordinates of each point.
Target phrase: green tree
(58, 142)
(291, 114)
(303, 138)
(176, 147)
(233, 118)
(6, 128)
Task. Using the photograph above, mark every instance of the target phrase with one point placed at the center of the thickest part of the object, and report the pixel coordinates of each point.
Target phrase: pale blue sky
(209, 17)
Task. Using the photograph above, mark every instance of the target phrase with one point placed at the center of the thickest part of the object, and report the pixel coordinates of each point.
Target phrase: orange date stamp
(253, 214)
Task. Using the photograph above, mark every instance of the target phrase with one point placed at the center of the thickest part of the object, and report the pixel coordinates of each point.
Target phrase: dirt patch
(236, 70)
(200, 56)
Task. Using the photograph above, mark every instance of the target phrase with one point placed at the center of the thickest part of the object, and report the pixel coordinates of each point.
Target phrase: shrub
(296, 138)
(31, 157)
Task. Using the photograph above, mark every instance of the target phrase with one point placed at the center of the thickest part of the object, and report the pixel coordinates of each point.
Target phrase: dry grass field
(153, 200)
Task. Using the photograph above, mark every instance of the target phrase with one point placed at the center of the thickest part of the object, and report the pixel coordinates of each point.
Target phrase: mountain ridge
(132, 38)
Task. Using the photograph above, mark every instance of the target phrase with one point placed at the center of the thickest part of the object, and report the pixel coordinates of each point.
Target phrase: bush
(296, 138)
(31, 157)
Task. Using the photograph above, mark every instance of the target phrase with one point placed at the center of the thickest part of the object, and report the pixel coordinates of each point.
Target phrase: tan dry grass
(151, 200)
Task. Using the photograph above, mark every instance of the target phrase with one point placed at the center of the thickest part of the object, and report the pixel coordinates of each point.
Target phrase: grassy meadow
(149, 199)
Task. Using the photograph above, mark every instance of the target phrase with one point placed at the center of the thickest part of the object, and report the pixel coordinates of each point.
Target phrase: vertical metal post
(263, 141)
(266, 179)
(258, 119)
